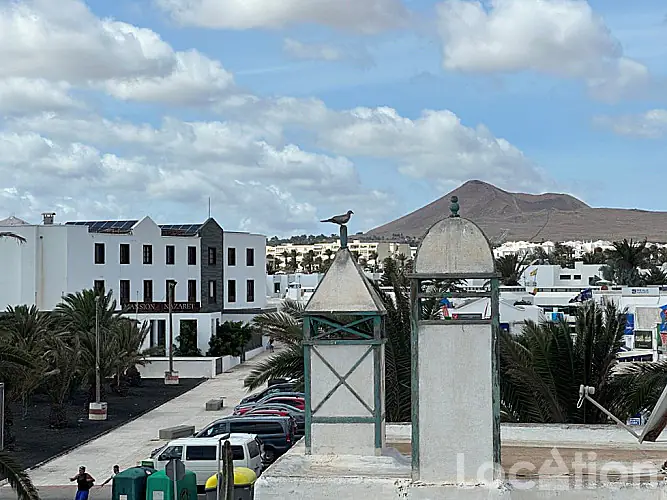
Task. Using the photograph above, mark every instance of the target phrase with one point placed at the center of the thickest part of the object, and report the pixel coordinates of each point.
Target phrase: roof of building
(13, 221)
(345, 289)
(106, 226)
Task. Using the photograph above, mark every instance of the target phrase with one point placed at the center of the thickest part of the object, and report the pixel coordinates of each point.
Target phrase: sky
(286, 112)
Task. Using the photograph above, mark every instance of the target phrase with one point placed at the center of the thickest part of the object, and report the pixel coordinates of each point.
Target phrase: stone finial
(454, 207)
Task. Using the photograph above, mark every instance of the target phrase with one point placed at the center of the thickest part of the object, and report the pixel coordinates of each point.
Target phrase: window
(192, 290)
(171, 452)
(124, 291)
(249, 257)
(577, 276)
(148, 291)
(231, 256)
(212, 256)
(565, 277)
(276, 288)
(250, 291)
(148, 254)
(162, 333)
(237, 453)
(99, 253)
(253, 449)
(192, 256)
(200, 453)
(231, 291)
(212, 292)
(169, 287)
(99, 286)
(124, 253)
(256, 428)
(170, 256)
(215, 430)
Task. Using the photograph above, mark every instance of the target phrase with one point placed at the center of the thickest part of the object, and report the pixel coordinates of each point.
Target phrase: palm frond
(17, 478)
(287, 363)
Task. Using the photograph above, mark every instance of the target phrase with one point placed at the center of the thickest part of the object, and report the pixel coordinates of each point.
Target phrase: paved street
(66, 493)
(129, 444)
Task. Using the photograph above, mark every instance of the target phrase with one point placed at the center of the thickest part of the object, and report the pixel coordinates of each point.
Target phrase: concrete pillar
(456, 420)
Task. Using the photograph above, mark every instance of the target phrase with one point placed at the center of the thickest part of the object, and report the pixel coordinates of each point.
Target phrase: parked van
(200, 455)
(277, 434)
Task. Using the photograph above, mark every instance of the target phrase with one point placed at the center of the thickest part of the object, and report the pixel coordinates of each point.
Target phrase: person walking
(116, 470)
(84, 482)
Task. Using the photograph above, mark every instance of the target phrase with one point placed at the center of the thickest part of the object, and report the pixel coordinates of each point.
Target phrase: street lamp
(98, 409)
(171, 377)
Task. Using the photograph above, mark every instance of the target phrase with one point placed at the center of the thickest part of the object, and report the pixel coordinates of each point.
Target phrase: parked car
(299, 416)
(274, 389)
(277, 433)
(295, 399)
(279, 381)
(201, 455)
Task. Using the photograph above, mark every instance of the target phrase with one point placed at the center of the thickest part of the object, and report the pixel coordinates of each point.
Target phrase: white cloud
(323, 52)
(63, 40)
(195, 80)
(564, 38)
(23, 95)
(364, 16)
(651, 124)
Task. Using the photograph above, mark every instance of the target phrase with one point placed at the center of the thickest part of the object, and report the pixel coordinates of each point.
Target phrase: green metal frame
(313, 338)
(415, 296)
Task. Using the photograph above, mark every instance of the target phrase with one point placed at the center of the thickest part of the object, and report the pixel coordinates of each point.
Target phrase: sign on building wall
(162, 307)
(641, 291)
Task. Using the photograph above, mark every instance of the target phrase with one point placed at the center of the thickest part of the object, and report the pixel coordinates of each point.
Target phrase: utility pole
(97, 350)
(171, 377)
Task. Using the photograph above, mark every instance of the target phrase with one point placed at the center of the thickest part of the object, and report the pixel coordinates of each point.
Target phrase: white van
(200, 455)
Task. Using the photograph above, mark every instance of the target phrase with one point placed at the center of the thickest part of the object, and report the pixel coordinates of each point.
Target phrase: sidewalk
(133, 442)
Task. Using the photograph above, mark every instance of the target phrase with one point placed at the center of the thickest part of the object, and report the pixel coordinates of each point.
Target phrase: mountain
(506, 216)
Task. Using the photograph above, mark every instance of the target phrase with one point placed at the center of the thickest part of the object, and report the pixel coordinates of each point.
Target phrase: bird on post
(340, 219)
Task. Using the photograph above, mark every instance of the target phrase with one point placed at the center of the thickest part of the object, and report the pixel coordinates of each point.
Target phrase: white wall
(241, 273)
(145, 233)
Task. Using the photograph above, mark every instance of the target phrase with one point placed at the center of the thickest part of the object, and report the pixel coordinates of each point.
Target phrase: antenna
(209, 207)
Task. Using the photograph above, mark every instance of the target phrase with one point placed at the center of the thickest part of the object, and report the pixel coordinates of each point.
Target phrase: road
(66, 493)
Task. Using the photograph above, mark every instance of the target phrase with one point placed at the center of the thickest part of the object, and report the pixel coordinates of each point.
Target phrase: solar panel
(180, 229)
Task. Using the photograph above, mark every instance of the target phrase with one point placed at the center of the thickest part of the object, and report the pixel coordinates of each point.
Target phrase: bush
(230, 339)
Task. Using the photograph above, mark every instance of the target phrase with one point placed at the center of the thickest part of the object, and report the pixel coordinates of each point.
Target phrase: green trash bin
(130, 484)
(160, 487)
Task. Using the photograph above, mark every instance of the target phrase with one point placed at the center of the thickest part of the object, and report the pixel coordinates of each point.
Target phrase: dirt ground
(35, 442)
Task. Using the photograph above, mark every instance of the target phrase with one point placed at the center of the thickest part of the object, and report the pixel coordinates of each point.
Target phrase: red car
(294, 401)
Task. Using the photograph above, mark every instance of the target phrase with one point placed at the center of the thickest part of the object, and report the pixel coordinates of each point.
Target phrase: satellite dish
(657, 421)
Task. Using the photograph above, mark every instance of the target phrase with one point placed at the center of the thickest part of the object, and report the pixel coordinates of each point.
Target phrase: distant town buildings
(216, 275)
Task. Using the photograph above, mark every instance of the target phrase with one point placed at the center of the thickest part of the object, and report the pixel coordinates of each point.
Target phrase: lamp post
(171, 377)
(98, 409)
(97, 350)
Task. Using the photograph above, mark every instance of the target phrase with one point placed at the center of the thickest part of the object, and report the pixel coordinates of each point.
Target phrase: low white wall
(191, 367)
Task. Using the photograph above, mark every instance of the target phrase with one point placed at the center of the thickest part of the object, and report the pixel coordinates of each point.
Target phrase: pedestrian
(271, 344)
(116, 470)
(84, 482)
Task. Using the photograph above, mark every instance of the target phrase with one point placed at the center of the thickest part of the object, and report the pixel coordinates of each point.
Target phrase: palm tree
(128, 338)
(373, 256)
(655, 276)
(14, 236)
(542, 368)
(511, 268)
(594, 257)
(18, 479)
(286, 327)
(76, 314)
(539, 256)
(63, 354)
(328, 252)
(26, 328)
(625, 260)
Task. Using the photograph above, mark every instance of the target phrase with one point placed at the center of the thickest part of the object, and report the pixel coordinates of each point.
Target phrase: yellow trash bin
(244, 484)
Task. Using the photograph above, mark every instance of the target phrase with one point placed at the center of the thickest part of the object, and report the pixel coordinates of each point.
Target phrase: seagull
(340, 219)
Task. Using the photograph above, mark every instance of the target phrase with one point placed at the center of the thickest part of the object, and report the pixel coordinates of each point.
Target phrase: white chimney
(47, 218)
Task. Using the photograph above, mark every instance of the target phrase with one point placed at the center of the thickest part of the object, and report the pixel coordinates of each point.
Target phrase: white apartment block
(137, 260)
(366, 250)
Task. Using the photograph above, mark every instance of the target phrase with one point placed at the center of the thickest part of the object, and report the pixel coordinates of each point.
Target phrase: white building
(137, 260)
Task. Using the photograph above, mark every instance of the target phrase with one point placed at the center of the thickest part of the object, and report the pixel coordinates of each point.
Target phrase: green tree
(539, 256)
(511, 268)
(230, 339)
(542, 368)
(594, 257)
(285, 327)
(63, 354)
(76, 314)
(18, 479)
(308, 261)
(625, 260)
(655, 276)
(187, 340)
(128, 338)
